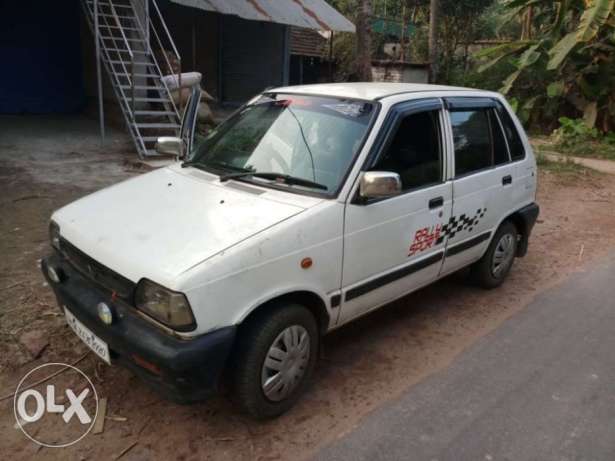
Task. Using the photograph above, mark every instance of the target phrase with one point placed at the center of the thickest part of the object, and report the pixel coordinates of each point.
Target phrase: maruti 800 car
(309, 207)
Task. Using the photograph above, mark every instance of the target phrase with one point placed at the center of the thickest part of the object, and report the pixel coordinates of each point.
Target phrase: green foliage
(555, 89)
(593, 19)
(564, 168)
(569, 68)
(573, 131)
(576, 138)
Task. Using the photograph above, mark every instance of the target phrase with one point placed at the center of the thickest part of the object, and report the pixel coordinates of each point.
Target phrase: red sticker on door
(424, 239)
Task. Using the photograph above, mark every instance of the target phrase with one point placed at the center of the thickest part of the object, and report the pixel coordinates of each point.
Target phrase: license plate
(99, 347)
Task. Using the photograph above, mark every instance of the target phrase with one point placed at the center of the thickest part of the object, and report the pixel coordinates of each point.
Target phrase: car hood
(161, 224)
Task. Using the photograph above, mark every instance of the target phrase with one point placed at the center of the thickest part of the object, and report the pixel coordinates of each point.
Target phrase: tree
(461, 23)
(570, 62)
(364, 42)
(434, 8)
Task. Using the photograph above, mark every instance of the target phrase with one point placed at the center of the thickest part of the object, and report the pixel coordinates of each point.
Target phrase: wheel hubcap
(285, 363)
(503, 254)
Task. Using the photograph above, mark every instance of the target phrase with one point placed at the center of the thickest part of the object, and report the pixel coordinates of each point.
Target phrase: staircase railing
(124, 31)
(161, 47)
(128, 48)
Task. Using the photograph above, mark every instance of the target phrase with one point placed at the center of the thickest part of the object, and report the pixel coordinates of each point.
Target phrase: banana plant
(571, 58)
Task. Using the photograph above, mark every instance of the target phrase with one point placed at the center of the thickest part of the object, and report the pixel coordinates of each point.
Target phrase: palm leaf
(529, 57)
(561, 49)
(562, 11)
(590, 114)
(510, 81)
(556, 89)
(505, 52)
(593, 18)
(501, 49)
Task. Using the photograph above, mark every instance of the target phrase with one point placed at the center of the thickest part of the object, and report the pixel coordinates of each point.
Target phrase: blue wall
(40, 57)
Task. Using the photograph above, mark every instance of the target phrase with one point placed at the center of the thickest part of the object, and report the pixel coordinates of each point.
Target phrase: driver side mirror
(379, 184)
(169, 145)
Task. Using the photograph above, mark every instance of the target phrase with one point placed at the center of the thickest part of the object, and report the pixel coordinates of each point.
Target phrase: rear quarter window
(515, 145)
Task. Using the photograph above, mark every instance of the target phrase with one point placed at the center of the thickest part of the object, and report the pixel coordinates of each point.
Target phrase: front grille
(96, 272)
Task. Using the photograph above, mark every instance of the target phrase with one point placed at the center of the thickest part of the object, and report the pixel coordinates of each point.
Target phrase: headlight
(168, 307)
(54, 234)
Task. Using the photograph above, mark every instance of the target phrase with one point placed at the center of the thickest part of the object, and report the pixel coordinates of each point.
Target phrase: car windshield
(304, 139)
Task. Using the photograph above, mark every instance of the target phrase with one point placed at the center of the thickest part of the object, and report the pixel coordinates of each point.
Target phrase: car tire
(279, 337)
(493, 268)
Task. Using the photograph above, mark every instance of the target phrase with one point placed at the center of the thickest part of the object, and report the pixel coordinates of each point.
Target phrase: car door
(395, 245)
(483, 179)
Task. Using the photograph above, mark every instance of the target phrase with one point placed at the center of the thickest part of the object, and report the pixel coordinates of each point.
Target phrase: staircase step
(137, 74)
(119, 37)
(107, 4)
(103, 26)
(142, 87)
(154, 112)
(150, 138)
(151, 99)
(104, 15)
(127, 62)
(119, 50)
(157, 125)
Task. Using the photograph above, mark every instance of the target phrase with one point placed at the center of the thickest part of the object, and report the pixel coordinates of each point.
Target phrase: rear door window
(472, 139)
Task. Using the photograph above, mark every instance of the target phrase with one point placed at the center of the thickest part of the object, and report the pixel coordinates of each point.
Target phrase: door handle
(436, 202)
(507, 180)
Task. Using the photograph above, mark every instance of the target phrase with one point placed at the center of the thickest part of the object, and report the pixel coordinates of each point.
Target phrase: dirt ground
(363, 365)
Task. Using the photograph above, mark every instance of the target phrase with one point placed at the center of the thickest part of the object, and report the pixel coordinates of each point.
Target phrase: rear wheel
(493, 268)
(275, 358)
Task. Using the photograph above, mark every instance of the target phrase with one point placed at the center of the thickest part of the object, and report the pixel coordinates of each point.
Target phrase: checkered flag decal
(456, 224)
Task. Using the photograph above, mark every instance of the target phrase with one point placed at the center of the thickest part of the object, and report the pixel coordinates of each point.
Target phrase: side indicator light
(306, 263)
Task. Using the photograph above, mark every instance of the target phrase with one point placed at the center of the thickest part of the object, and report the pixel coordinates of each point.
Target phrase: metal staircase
(125, 32)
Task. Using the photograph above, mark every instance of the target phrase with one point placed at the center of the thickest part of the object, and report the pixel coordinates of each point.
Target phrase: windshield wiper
(214, 165)
(287, 179)
(195, 164)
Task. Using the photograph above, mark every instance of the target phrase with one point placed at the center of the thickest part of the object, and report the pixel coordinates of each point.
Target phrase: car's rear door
(483, 179)
(394, 245)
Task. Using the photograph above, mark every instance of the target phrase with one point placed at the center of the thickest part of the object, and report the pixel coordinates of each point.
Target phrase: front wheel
(275, 357)
(491, 270)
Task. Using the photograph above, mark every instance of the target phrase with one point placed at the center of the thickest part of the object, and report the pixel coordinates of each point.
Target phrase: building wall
(238, 58)
(196, 35)
(399, 73)
(253, 56)
(41, 62)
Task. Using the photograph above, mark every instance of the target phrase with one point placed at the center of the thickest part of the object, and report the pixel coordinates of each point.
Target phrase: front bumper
(183, 370)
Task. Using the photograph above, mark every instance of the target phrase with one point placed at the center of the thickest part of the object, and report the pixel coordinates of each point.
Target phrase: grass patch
(589, 148)
(565, 167)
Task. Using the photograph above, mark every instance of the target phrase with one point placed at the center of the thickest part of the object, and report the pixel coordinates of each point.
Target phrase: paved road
(540, 387)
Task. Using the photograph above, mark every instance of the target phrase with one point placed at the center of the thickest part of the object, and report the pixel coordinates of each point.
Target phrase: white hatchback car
(307, 208)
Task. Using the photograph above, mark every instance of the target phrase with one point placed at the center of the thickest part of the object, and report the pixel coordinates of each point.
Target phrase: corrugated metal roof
(313, 14)
(307, 42)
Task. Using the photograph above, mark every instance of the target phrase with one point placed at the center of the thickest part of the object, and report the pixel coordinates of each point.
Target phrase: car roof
(368, 90)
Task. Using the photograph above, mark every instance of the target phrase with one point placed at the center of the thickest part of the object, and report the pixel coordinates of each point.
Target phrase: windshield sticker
(349, 109)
